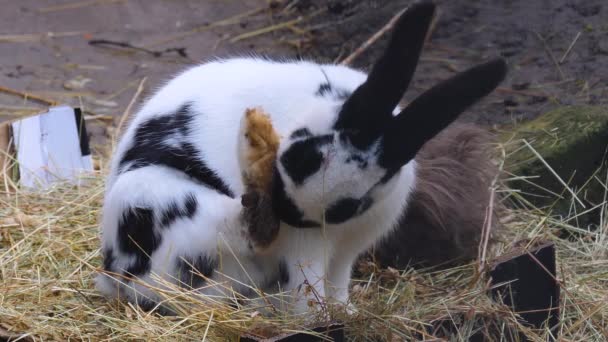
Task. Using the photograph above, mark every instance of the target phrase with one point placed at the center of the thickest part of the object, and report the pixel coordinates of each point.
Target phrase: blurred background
(96, 54)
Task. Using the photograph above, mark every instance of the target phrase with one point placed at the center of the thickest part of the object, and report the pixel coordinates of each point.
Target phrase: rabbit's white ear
(435, 109)
(368, 109)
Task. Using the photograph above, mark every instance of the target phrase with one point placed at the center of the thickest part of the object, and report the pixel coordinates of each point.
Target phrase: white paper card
(48, 148)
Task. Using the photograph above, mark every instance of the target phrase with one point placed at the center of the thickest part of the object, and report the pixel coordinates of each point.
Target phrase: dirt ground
(47, 48)
(557, 49)
(95, 53)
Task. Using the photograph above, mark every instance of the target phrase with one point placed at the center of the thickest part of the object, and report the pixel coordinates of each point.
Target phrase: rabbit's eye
(304, 158)
(300, 133)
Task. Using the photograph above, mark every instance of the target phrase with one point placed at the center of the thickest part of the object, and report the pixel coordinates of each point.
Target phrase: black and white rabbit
(344, 172)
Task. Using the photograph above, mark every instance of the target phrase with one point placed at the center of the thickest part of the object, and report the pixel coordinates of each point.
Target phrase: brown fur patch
(446, 214)
(260, 154)
(263, 144)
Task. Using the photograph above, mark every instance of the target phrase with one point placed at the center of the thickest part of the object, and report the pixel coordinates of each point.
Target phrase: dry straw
(49, 255)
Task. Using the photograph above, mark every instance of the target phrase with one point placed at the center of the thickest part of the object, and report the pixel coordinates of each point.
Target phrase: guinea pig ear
(435, 109)
(371, 105)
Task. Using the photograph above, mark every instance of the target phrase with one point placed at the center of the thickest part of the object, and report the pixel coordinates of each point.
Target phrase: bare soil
(69, 50)
(557, 49)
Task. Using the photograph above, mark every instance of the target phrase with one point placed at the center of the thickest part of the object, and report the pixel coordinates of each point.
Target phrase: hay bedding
(49, 255)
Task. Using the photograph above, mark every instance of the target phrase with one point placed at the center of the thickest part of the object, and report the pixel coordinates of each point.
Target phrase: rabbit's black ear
(435, 109)
(370, 106)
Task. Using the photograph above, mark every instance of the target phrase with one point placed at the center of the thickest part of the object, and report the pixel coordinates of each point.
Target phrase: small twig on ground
(272, 28)
(99, 117)
(9, 336)
(74, 5)
(520, 92)
(16, 108)
(27, 96)
(448, 63)
(557, 83)
(127, 113)
(371, 40)
(433, 25)
(460, 51)
(551, 56)
(561, 60)
(233, 20)
(387, 27)
(487, 231)
(36, 37)
(104, 42)
(81, 294)
(320, 301)
(121, 90)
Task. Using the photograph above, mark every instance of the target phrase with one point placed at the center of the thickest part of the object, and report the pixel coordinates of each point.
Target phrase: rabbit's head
(333, 175)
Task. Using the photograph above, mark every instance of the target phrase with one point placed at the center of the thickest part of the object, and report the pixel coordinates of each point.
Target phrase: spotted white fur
(220, 92)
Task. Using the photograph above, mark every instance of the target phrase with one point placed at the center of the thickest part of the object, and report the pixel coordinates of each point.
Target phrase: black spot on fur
(137, 237)
(301, 161)
(342, 210)
(193, 271)
(285, 209)
(170, 214)
(324, 89)
(355, 158)
(151, 306)
(304, 158)
(190, 205)
(151, 147)
(366, 203)
(346, 208)
(300, 133)
(140, 266)
(108, 259)
(146, 304)
(174, 211)
(322, 140)
(283, 272)
(390, 173)
(280, 277)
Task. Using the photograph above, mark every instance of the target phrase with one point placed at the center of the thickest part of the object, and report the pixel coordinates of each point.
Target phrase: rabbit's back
(203, 106)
